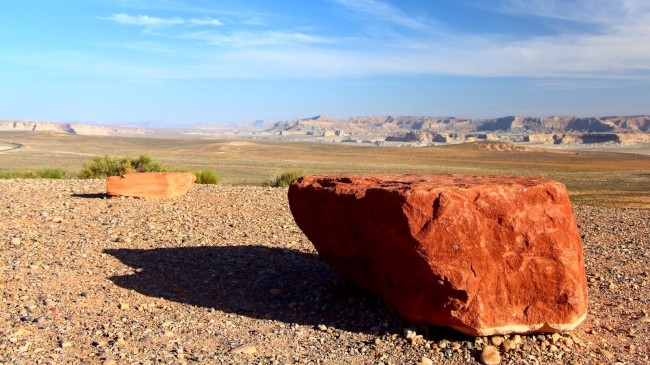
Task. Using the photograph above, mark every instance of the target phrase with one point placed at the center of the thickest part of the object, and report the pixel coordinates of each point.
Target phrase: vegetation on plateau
(104, 166)
(284, 179)
(29, 174)
(206, 177)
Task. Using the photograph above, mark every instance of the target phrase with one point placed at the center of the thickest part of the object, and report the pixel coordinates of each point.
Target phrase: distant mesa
(67, 128)
(395, 130)
(427, 129)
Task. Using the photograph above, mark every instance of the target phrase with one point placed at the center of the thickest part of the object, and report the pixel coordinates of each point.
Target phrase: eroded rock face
(483, 254)
(156, 185)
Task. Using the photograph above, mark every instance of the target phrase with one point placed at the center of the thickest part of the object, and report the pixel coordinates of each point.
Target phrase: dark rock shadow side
(240, 279)
(92, 196)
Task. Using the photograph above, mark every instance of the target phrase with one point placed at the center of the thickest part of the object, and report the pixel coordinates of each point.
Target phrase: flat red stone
(483, 254)
(156, 185)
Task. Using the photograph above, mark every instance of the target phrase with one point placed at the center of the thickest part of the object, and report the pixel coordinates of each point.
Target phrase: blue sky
(181, 62)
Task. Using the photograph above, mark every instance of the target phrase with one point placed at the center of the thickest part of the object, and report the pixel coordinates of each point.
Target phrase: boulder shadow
(262, 282)
(256, 281)
(92, 196)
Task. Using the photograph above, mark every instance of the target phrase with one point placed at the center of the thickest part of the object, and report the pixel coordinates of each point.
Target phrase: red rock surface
(483, 254)
(156, 185)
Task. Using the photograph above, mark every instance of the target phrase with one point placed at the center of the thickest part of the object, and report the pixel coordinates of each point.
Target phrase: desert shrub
(52, 174)
(284, 179)
(206, 177)
(29, 174)
(105, 166)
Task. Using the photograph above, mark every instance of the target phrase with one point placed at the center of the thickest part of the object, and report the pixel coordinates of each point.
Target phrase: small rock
(608, 355)
(244, 349)
(409, 334)
(65, 344)
(426, 361)
(109, 362)
(508, 345)
(15, 241)
(490, 356)
(496, 340)
(124, 306)
(84, 294)
(322, 327)
(26, 318)
(644, 319)
(276, 291)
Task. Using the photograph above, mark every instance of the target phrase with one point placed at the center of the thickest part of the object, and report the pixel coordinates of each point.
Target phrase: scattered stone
(65, 344)
(496, 341)
(426, 361)
(124, 306)
(15, 241)
(244, 349)
(427, 245)
(157, 185)
(490, 356)
(608, 355)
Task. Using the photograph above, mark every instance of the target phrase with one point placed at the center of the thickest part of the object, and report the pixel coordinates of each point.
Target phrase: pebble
(644, 319)
(26, 318)
(490, 356)
(15, 241)
(426, 361)
(124, 306)
(244, 349)
(508, 345)
(65, 344)
(608, 355)
(496, 340)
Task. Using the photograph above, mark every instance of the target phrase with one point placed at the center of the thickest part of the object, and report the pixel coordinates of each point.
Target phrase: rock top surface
(156, 185)
(483, 254)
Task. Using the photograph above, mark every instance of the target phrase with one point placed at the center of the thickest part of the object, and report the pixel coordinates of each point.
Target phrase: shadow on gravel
(244, 280)
(92, 196)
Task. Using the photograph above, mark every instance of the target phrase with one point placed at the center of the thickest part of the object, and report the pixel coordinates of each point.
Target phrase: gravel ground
(224, 276)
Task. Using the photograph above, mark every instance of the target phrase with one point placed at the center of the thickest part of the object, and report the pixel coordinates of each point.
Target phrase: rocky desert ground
(223, 275)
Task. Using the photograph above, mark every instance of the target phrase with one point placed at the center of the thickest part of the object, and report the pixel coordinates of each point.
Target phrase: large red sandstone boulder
(483, 254)
(157, 185)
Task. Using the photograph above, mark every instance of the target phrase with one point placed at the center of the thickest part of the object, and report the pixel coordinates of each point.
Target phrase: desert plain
(223, 275)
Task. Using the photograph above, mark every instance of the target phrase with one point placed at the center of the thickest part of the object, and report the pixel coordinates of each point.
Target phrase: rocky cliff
(424, 129)
(67, 128)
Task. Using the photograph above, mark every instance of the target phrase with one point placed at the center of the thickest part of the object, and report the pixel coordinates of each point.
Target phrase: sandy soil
(224, 276)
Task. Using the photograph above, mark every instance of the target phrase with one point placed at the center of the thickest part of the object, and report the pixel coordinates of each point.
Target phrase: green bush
(206, 177)
(28, 174)
(52, 174)
(105, 166)
(285, 179)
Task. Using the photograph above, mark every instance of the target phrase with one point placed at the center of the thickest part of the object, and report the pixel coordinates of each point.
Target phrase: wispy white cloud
(241, 39)
(150, 21)
(615, 48)
(384, 11)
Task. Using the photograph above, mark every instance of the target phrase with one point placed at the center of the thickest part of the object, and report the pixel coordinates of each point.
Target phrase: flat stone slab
(485, 255)
(156, 185)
